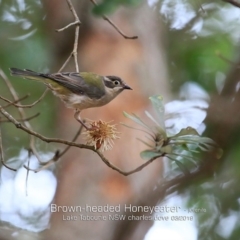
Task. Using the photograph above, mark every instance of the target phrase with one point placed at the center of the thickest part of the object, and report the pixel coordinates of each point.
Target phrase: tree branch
(114, 25)
(76, 23)
(233, 2)
(20, 99)
(21, 112)
(21, 120)
(2, 155)
(73, 144)
(12, 103)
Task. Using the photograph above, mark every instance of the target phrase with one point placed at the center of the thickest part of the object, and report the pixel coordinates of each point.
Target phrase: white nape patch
(107, 79)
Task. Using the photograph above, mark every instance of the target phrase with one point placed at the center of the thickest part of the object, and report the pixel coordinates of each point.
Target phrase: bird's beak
(127, 87)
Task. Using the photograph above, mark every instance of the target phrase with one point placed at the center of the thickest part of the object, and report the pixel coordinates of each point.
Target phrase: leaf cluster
(186, 145)
(110, 6)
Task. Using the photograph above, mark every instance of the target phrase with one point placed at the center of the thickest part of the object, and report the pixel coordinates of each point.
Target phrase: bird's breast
(83, 102)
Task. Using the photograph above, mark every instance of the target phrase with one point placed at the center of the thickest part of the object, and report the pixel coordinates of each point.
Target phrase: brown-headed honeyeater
(78, 90)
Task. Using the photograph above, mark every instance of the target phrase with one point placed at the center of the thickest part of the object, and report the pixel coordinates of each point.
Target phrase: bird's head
(114, 85)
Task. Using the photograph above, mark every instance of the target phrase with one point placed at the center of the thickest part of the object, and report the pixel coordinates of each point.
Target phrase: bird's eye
(116, 83)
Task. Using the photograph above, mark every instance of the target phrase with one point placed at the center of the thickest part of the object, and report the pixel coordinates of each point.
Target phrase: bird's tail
(26, 73)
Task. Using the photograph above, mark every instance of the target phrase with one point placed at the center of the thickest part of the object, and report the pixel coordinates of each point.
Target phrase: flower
(101, 135)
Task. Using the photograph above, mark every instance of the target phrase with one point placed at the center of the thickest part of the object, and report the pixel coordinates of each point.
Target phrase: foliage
(187, 145)
(204, 49)
(24, 44)
(110, 6)
(204, 56)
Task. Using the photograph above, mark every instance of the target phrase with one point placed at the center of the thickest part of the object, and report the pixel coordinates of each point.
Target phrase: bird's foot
(78, 118)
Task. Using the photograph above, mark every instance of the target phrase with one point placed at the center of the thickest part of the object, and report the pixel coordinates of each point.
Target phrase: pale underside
(81, 102)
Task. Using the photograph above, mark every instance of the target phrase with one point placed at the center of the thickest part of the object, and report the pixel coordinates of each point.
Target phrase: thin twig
(12, 103)
(29, 156)
(76, 23)
(57, 154)
(2, 155)
(69, 25)
(73, 144)
(24, 106)
(33, 133)
(114, 25)
(65, 63)
(233, 2)
(75, 46)
(45, 164)
(21, 120)
(224, 58)
(139, 168)
(73, 140)
(201, 7)
(21, 113)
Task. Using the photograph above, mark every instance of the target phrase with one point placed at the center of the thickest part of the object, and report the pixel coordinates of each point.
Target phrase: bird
(81, 90)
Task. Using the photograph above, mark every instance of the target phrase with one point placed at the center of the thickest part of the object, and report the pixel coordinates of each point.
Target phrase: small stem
(74, 52)
(14, 102)
(114, 25)
(21, 112)
(69, 25)
(24, 106)
(73, 144)
(75, 48)
(66, 62)
(22, 120)
(233, 2)
(57, 154)
(2, 155)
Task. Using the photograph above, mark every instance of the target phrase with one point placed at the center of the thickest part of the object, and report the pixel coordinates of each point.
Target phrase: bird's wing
(75, 83)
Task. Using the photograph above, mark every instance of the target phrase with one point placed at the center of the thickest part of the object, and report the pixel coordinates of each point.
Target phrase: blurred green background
(25, 44)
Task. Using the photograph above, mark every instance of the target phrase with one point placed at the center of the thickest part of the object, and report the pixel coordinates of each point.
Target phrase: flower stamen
(101, 135)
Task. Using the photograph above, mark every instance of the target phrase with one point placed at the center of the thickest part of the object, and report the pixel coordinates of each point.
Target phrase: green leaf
(186, 131)
(158, 127)
(142, 141)
(104, 8)
(167, 149)
(149, 154)
(109, 6)
(157, 102)
(151, 117)
(205, 147)
(136, 119)
(189, 157)
(194, 139)
(139, 129)
(196, 143)
(183, 167)
(180, 165)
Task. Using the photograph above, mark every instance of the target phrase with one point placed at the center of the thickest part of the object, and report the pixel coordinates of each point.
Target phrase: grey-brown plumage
(78, 90)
